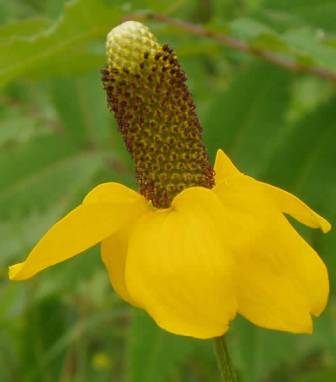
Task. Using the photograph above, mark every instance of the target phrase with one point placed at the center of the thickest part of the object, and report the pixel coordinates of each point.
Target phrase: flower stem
(226, 368)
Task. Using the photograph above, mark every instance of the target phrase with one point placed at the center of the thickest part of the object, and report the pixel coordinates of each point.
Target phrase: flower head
(146, 89)
(195, 246)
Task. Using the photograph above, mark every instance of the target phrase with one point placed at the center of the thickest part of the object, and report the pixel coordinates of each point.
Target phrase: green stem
(226, 368)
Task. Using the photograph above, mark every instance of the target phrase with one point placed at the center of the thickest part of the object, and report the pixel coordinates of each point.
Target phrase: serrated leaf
(247, 28)
(18, 127)
(305, 45)
(26, 159)
(51, 194)
(82, 22)
(55, 182)
(311, 44)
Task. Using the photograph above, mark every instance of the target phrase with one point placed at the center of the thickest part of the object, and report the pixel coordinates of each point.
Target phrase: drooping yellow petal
(177, 267)
(82, 228)
(280, 278)
(286, 202)
(112, 192)
(224, 167)
(291, 205)
(114, 253)
(114, 248)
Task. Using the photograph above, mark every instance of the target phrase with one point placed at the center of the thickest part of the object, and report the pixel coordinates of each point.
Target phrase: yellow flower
(211, 254)
(191, 248)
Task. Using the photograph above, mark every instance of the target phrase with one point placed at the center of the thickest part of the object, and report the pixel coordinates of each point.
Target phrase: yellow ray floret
(104, 211)
(211, 254)
(179, 269)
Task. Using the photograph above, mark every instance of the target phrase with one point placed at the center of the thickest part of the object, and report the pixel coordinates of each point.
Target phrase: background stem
(226, 368)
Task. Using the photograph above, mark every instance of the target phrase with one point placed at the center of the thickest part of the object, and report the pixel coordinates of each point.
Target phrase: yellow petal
(291, 205)
(280, 278)
(82, 228)
(286, 202)
(114, 248)
(111, 192)
(114, 253)
(177, 268)
(224, 167)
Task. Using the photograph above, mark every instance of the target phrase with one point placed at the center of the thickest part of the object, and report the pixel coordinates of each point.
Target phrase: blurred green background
(57, 141)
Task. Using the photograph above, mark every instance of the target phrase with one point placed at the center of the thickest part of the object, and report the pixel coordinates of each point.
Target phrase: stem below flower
(226, 368)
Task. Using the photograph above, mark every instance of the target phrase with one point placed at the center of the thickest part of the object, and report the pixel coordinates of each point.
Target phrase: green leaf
(82, 22)
(310, 43)
(320, 14)
(305, 160)
(304, 45)
(45, 322)
(153, 354)
(22, 233)
(257, 352)
(75, 63)
(51, 193)
(25, 121)
(247, 28)
(305, 165)
(22, 29)
(26, 159)
(318, 376)
(270, 355)
(248, 119)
